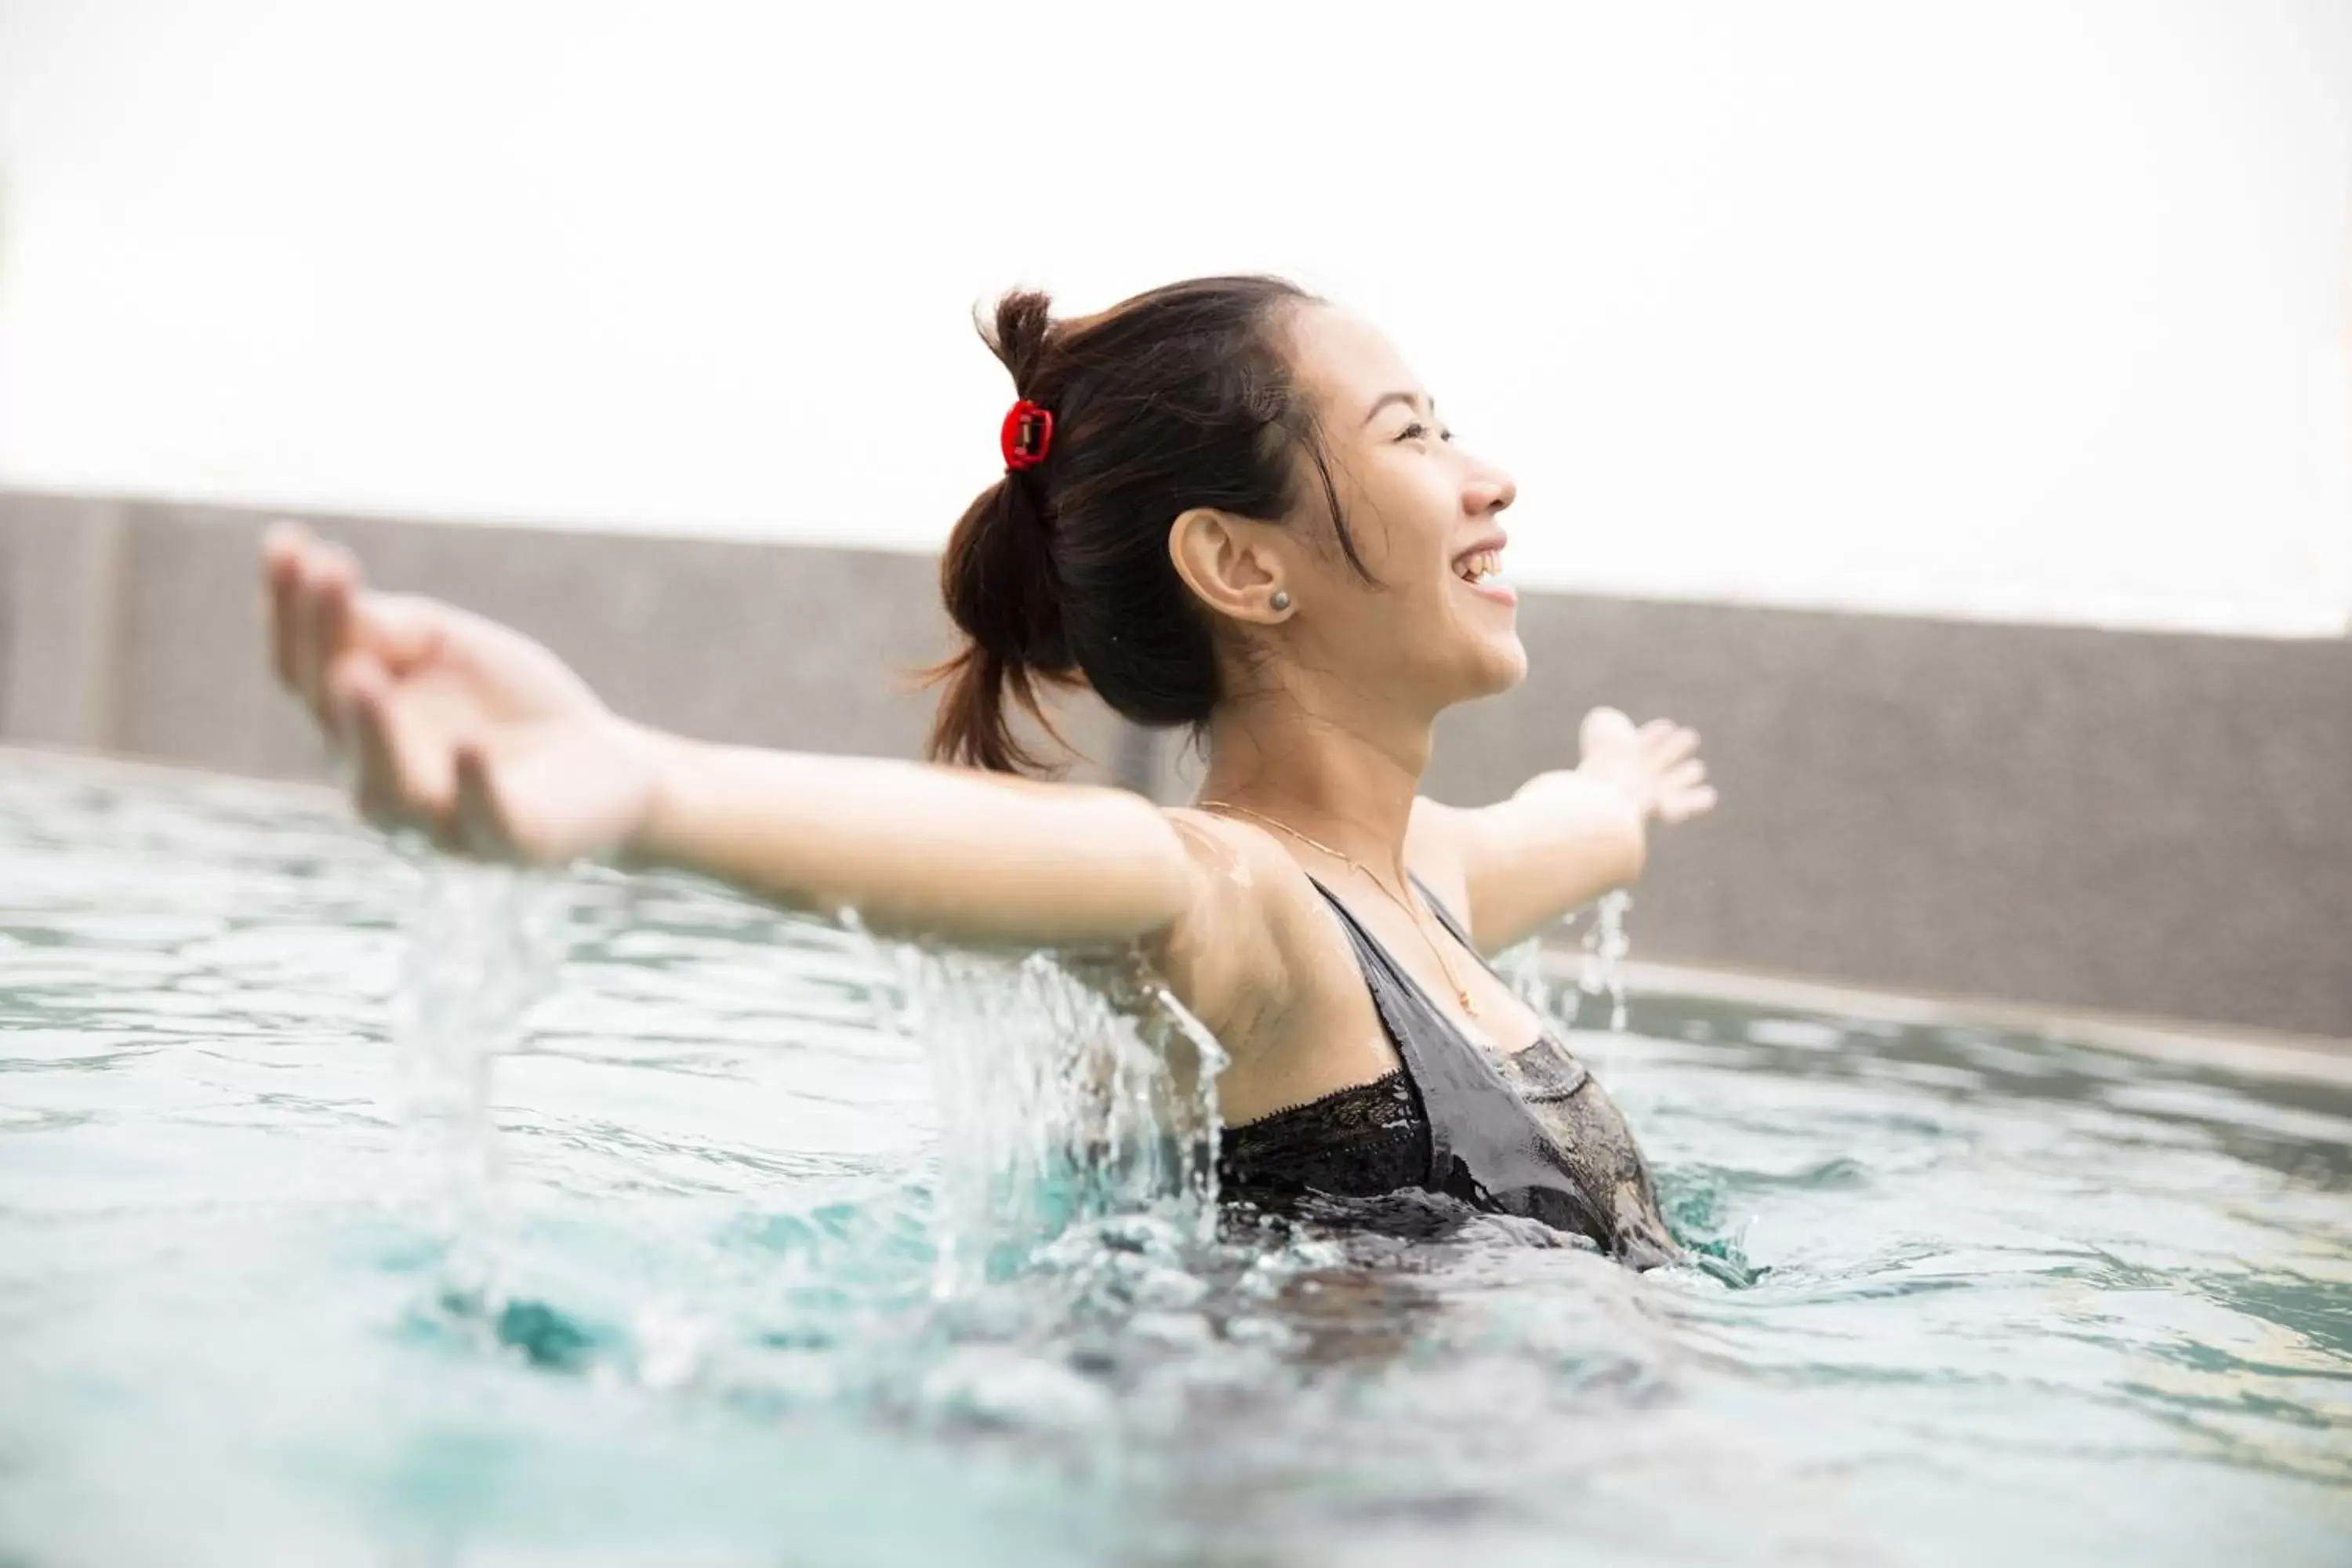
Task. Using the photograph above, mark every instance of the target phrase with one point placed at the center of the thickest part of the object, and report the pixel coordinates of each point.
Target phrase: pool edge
(2187, 1042)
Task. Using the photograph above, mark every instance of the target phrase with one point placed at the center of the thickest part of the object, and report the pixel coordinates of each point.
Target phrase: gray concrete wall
(136, 628)
(2142, 822)
(61, 577)
(2138, 823)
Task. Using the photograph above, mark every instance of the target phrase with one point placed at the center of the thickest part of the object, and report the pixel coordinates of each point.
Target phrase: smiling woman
(1226, 505)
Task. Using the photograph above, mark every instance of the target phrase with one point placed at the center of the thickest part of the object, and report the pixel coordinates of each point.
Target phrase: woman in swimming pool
(1226, 505)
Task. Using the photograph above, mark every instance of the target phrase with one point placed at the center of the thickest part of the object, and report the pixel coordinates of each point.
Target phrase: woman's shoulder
(1254, 931)
(1247, 883)
(1230, 843)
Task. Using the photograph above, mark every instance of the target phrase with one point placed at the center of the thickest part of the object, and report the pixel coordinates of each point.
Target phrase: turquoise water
(709, 1280)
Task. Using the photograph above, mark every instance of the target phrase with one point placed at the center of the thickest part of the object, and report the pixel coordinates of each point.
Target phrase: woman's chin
(1517, 668)
(1502, 664)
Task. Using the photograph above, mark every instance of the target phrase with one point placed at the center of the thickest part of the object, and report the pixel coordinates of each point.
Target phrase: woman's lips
(1494, 588)
(1480, 569)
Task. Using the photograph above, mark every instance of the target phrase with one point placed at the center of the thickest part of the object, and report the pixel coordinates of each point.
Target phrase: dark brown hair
(1059, 573)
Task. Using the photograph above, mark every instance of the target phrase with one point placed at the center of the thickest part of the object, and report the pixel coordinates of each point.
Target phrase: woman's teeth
(1479, 565)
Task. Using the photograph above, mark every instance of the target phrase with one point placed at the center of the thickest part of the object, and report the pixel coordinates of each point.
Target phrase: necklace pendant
(1467, 1006)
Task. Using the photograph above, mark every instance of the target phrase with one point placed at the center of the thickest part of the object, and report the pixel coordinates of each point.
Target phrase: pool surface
(702, 1273)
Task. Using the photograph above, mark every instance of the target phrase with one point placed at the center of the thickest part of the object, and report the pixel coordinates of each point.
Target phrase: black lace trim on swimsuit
(1530, 1135)
(1368, 1138)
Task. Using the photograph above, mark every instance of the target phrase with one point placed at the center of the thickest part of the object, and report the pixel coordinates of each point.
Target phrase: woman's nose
(1490, 491)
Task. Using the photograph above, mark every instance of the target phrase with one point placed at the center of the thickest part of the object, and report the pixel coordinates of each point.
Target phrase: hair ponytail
(997, 577)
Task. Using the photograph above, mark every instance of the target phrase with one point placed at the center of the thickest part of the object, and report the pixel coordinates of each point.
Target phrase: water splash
(1599, 971)
(1524, 969)
(1071, 1092)
(485, 945)
(1606, 944)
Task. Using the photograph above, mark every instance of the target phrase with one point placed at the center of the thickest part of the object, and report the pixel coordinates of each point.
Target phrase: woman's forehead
(1347, 361)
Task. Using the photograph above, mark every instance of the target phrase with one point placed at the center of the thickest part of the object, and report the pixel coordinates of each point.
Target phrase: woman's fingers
(1684, 805)
(368, 665)
(302, 634)
(478, 824)
(401, 629)
(282, 571)
(1682, 776)
(1683, 790)
(318, 606)
(322, 579)
(320, 583)
(402, 770)
(1667, 742)
(363, 703)
(330, 621)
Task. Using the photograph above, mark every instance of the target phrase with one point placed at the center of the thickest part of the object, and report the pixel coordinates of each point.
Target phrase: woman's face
(1438, 626)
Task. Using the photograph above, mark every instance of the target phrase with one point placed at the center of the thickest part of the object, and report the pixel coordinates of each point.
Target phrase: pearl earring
(1281, 600)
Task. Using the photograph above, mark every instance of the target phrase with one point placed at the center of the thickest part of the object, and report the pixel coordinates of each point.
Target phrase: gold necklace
(1420, 924)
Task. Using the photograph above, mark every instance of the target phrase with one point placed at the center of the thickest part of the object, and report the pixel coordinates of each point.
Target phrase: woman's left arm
(1565, 838)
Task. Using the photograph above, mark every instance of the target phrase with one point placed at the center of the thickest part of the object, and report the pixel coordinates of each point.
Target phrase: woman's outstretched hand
(451, 723)
(1655, 767)
(1567, 836)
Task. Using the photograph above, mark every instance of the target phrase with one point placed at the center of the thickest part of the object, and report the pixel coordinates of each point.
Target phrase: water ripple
(1955, 1294)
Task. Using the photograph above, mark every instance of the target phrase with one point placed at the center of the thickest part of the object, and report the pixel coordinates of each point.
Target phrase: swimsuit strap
(1393, 998)
(1486, 1146)
(1459, 932)
(1444, 916)
(1551, 1070)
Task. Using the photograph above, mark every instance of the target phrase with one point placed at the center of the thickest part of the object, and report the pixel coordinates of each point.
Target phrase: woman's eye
(1413, 432)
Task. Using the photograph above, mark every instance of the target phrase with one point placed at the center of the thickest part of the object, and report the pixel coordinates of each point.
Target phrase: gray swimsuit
(1530, 1135)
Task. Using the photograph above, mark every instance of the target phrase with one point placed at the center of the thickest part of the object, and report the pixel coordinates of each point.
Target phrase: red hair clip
(1027, 437)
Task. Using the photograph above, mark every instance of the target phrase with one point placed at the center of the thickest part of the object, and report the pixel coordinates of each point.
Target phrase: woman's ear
(1231, 564)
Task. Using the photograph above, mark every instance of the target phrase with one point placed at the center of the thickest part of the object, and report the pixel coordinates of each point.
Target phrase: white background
(2010, 310)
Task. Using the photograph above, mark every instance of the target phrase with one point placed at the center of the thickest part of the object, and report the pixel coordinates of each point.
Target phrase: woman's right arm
(490, 743)
(917, 850)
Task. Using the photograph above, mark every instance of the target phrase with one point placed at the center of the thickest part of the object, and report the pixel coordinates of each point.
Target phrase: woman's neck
(1344, 775)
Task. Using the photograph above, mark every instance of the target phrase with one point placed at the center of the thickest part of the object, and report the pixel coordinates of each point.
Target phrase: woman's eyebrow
(1411, 399)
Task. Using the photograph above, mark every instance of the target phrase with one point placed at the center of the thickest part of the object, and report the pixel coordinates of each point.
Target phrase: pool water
(701, 1272)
